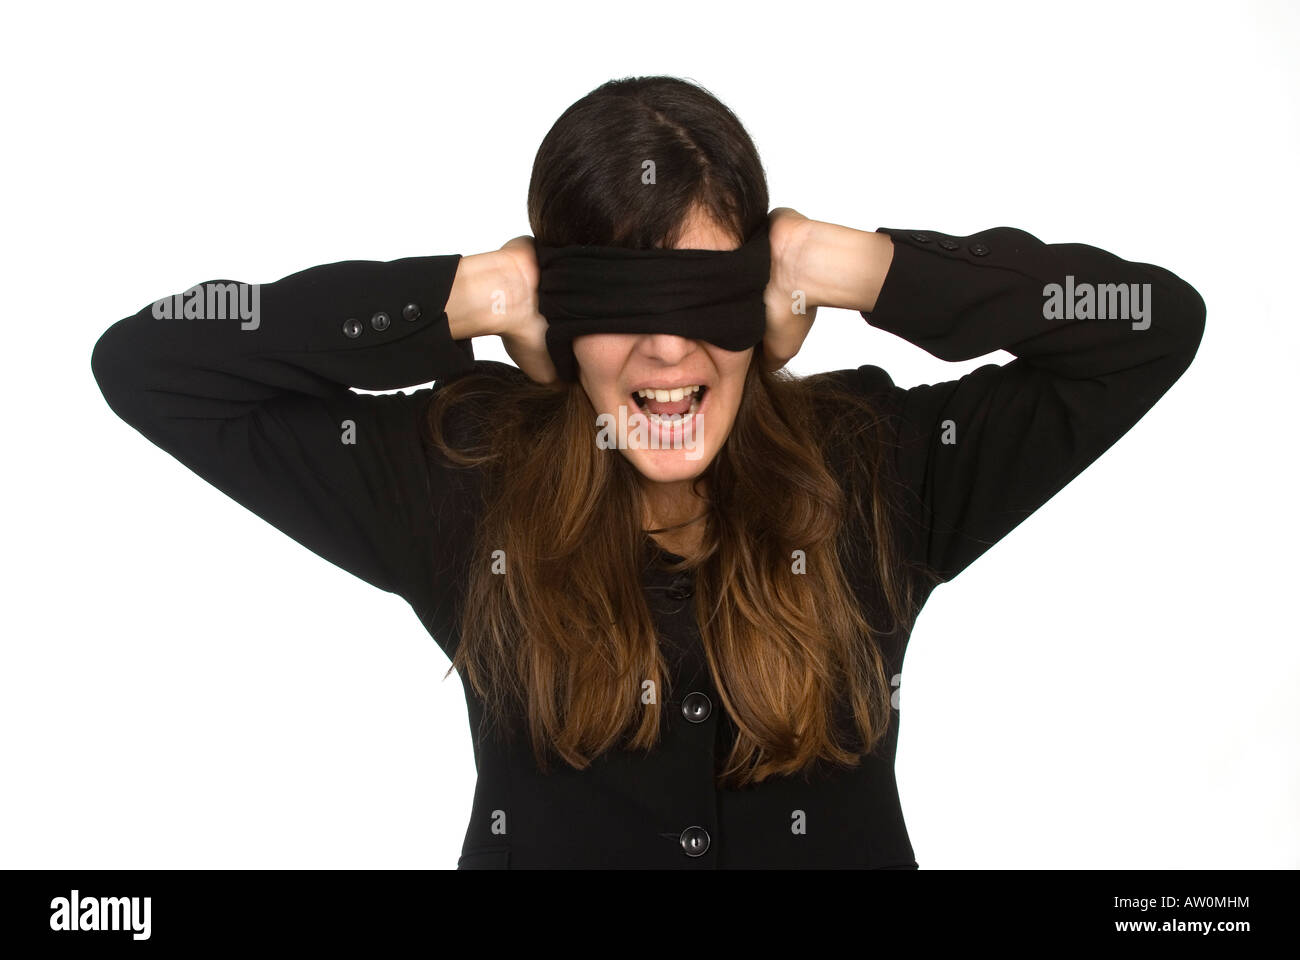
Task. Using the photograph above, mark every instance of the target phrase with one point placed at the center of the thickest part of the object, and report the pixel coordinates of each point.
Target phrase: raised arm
(1097, 340)
(257, 401)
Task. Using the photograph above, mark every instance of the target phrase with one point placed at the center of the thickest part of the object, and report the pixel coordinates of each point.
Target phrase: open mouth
(670, 405)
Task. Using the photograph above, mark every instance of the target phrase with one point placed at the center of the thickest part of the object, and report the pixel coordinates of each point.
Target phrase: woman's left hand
(790, 315)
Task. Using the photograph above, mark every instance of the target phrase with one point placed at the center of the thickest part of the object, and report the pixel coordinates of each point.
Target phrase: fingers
(528, 351)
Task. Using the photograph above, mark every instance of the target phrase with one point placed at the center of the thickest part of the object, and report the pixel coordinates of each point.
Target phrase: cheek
(600, 368)
(595, 376)
(603, 353)
(732, 407)
(603, 396)
(732, 366)
(733, 374)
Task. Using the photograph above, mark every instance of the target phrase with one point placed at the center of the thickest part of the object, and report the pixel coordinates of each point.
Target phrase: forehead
(703, 233)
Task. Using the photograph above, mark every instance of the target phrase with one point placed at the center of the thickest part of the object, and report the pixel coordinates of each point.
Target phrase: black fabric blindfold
(711, 295)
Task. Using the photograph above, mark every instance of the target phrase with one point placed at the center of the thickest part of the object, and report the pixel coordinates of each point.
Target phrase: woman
(681, 654)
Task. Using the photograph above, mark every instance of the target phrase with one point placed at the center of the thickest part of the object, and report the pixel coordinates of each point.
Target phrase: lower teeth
(676, 417)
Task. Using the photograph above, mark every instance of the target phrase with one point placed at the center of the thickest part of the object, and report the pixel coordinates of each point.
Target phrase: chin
(668, 466)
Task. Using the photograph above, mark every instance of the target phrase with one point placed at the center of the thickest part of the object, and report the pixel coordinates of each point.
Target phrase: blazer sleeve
(259, 404)
(981, 453)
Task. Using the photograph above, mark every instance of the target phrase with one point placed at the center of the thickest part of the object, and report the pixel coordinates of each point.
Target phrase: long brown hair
(565, 639)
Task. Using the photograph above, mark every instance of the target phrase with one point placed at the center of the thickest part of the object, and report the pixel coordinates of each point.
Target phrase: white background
(181, 685)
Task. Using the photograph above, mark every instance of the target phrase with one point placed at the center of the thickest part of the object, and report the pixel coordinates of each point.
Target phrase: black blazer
(260, 413)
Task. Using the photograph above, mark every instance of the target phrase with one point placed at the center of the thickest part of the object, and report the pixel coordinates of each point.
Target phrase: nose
(666, 348)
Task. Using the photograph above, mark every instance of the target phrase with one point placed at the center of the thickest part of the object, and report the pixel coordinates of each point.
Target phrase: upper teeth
(667, 396)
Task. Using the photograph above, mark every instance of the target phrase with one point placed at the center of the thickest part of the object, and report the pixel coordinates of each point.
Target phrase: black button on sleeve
(380, 321)
(352, 328)
(921, 237)
(695, 841)
(411, 311)
(949, 244)
(979, 249)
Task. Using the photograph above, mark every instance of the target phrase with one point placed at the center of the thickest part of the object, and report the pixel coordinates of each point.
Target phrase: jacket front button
(979, 249)
(379, 321)
(411, 311)
(680, 588)
(696, 707)
(695, 841)
(352, 328)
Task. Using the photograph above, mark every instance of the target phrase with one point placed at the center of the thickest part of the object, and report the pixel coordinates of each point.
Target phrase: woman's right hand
(525, 333)
(495, 294)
